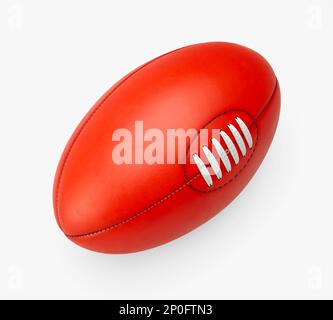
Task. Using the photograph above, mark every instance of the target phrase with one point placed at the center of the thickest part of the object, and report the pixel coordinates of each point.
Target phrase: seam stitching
(136, 215)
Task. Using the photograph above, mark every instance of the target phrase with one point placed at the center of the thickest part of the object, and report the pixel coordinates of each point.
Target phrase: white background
(274, 241)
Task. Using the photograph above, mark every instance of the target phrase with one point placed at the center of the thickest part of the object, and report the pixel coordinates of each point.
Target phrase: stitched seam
(94, 233)
(154, 205)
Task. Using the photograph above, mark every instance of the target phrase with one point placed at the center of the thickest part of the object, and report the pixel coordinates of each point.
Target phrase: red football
(167, 148)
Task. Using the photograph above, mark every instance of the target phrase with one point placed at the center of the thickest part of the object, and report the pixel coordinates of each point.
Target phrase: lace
(223, 154)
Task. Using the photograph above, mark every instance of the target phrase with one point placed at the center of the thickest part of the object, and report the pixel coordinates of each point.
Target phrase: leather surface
(114, 208)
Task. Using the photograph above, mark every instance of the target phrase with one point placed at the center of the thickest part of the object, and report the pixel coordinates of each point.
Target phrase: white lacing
(223, 153)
